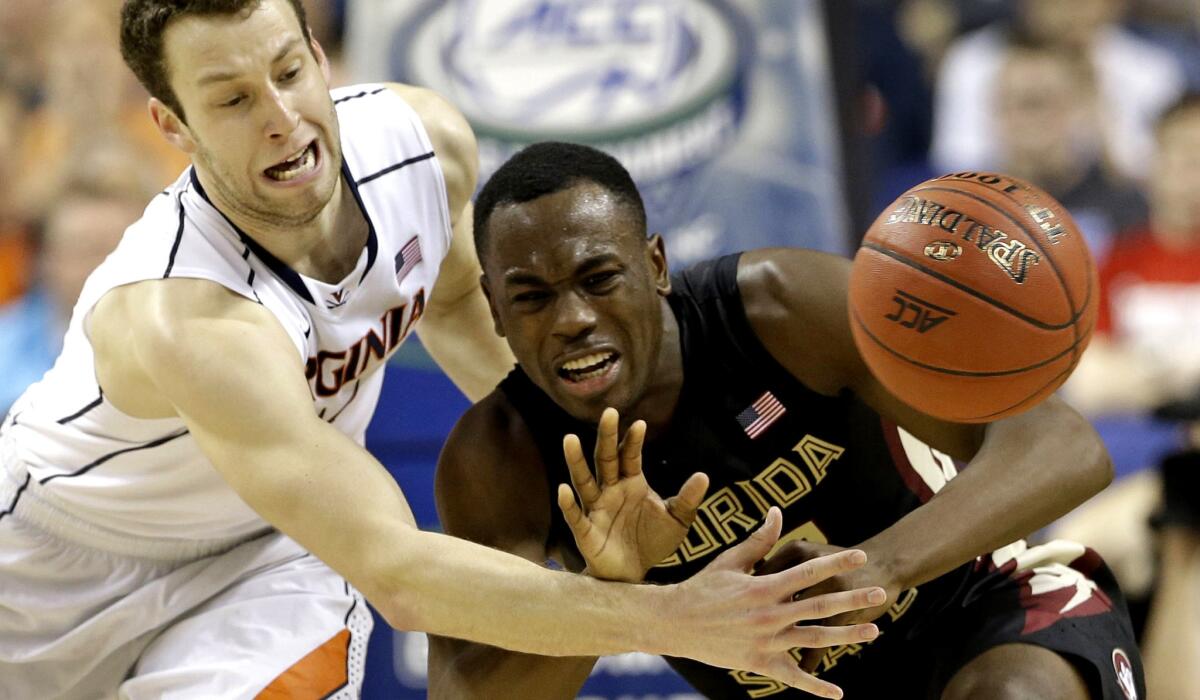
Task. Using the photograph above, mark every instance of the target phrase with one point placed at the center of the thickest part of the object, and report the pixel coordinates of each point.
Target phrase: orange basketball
(973, 296)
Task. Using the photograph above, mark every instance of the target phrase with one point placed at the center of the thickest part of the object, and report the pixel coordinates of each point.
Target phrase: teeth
(304, 161)
(581, 363)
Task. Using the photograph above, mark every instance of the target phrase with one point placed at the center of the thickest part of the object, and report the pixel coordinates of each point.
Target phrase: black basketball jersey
(837, 470)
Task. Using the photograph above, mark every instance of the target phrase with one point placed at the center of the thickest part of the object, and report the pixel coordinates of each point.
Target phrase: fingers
(822, 636)
(683, 506)
(581, 475)
(828, 605)
(815, 571)
(810, 659)
(631, 449)
(573, 514)
(746, 554)
(783, 668)
(607, 462)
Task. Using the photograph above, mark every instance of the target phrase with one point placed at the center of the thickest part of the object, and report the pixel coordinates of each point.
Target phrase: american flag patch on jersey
(759, 415)
(407, 258)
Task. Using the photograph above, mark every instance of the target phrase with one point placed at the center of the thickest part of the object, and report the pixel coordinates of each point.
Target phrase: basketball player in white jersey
(186, 506)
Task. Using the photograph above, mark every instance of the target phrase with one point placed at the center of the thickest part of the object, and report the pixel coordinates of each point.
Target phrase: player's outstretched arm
(223, 364)
(1023, 473)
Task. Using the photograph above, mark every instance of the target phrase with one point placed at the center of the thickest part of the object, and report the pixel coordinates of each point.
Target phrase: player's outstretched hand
(621, 526)
(727, 617)
(796, 552)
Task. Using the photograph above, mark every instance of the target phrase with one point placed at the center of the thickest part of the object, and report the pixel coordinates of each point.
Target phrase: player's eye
(601, 281)
(290, 75)
(234, 101)
(532, 296)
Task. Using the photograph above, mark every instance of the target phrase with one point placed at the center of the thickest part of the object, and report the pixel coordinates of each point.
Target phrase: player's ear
(487, 294)
(656, 252)
(322, 60)
(171, 126)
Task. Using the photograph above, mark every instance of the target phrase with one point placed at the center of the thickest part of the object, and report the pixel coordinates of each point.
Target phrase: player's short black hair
(548, 167)
(143, 23)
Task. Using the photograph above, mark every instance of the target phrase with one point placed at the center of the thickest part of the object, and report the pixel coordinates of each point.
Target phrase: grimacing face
(576, 288)
(261, 125)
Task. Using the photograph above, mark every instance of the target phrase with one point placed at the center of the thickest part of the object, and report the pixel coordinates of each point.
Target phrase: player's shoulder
(795, 301)
(489, 442)
(145, 331)
(451, 136)
(448, 129)
(163, 312)
(491, 484)
(786, 280)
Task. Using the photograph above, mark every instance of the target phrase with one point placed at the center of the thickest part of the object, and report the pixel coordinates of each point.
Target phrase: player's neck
(326, 248)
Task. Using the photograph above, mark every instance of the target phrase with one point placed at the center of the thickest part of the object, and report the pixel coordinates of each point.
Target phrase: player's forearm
(459, 336)
(356, 520)
(1030, 470)
(459, 669)
(454, 588)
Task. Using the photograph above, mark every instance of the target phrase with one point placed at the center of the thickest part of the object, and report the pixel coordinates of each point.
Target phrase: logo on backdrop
(659, 84)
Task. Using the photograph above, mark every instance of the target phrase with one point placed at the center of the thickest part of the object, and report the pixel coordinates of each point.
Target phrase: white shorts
(256, 619)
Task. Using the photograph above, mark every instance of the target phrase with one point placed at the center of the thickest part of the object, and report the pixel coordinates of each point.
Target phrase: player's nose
(281, 117)
(574, 316)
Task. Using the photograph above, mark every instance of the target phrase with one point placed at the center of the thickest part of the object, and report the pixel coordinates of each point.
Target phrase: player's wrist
(654, 632)
(894, 570)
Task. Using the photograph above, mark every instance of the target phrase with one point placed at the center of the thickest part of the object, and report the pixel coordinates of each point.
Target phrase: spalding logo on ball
(973, 296)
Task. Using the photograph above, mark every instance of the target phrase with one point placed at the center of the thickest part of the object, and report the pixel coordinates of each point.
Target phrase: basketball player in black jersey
(744, 368)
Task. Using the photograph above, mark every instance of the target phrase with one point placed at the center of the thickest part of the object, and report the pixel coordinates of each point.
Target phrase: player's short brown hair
(144, 22)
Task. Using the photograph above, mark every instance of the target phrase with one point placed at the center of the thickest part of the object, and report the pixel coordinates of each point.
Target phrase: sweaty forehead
(202, 48)
(582, 221)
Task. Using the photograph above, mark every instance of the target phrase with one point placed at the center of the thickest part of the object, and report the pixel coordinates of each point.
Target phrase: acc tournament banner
(721, 110)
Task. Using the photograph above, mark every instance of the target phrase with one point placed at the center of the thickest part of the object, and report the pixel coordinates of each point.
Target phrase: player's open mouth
(590, 373)
(297, 165)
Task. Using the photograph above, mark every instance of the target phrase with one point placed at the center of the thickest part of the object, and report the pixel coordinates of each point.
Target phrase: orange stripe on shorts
(319, 673)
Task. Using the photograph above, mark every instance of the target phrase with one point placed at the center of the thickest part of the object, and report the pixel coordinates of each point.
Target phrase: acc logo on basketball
(943, 250)
(1124, 670)
(916, 313)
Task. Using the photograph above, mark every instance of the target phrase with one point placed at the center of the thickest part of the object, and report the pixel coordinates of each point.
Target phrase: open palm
(621, 526)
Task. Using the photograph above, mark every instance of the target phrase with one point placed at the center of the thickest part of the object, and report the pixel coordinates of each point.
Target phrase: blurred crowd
(1095, 101)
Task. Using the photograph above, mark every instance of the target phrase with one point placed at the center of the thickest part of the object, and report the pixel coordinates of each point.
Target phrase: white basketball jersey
(148, 477)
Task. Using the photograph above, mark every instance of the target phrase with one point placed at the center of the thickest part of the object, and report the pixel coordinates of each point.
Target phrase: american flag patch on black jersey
(759, 415)
(407, 258)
